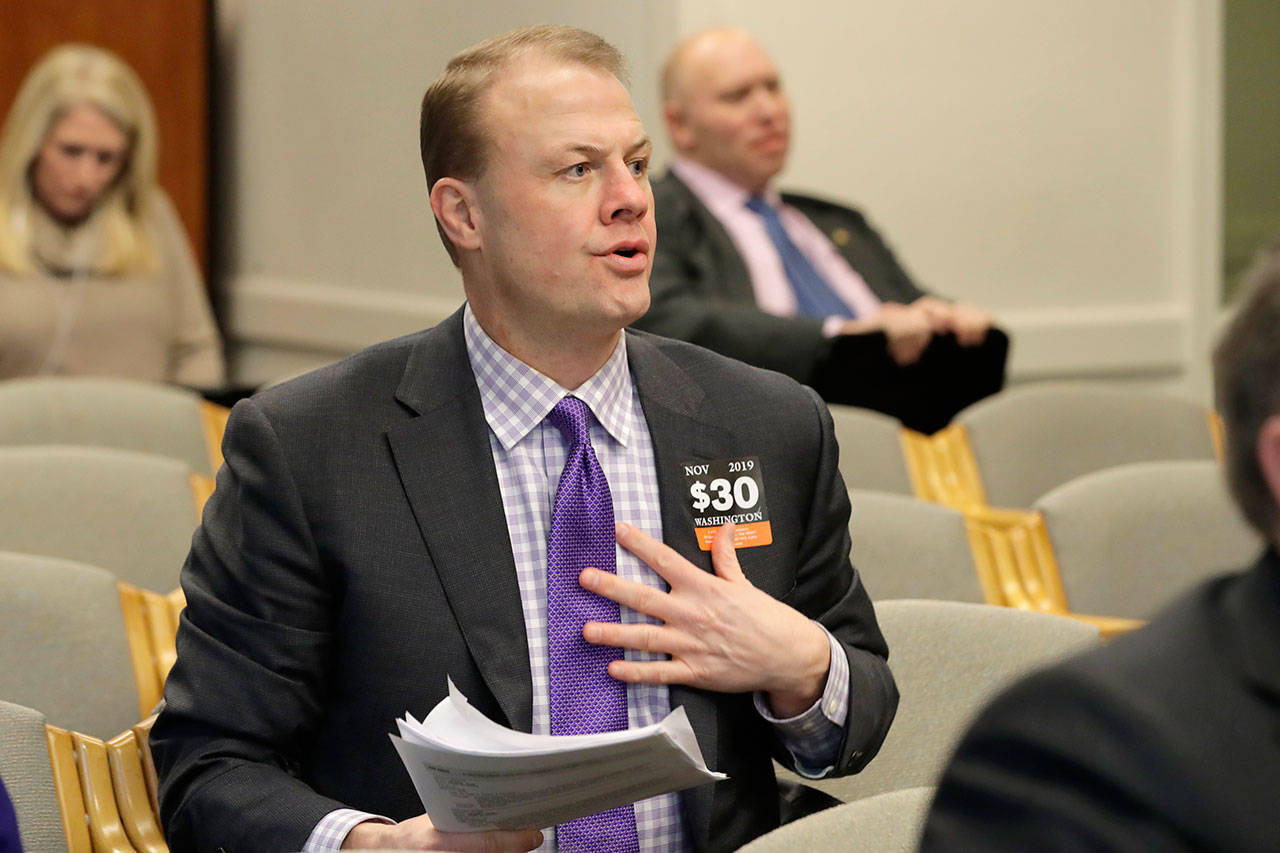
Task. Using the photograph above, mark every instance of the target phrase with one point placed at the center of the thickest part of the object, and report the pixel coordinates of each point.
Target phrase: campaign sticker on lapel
(728, 490)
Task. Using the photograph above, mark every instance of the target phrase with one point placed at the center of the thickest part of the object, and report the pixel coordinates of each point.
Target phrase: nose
(626, 195)
(91, 174)
(770, 104)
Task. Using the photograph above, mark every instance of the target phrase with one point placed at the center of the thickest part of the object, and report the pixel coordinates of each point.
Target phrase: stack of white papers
(473, 774)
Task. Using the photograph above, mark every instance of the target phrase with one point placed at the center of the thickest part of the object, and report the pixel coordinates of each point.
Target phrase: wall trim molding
(269, 313)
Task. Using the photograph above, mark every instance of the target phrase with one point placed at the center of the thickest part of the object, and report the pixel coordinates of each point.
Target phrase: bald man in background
(795, 284)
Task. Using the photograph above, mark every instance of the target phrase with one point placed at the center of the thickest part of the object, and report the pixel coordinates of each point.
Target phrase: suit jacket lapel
(680, 433)
(446, 467)
(722, 263)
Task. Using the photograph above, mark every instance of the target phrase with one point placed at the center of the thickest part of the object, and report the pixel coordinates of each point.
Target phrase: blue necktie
(814, 296)
(584, 698)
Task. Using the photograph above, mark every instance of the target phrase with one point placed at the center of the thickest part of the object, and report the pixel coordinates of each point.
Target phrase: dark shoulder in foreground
(1159, 740)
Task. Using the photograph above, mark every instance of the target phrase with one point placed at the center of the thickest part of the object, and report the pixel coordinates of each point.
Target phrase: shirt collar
(516, 398)
(714, 190)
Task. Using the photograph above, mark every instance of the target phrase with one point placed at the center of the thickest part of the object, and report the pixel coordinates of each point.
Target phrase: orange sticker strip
(744, 535)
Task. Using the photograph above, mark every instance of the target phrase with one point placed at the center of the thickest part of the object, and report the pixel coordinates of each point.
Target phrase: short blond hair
(69, 76)
(451, 131)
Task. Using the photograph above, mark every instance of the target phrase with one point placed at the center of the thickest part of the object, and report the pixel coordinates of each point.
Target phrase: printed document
(474, 774)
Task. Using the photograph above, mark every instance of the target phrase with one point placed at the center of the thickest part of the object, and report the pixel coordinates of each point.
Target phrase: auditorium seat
(1010, 449)
(949, 659)
(908, 548)
(27, 771)
(871, 452)
(130, 513)
(120, 413)
(75, 792)
(66, 649)
(1126, 540)
(886, 823)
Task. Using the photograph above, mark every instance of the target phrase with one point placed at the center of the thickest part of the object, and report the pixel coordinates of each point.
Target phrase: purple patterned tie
(584, 698)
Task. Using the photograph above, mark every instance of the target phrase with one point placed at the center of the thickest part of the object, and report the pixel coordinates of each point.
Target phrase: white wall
(331, 244)
(1053, 161)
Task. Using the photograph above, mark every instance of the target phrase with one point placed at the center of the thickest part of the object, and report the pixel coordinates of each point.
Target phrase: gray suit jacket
(702, 291)
(355, 554)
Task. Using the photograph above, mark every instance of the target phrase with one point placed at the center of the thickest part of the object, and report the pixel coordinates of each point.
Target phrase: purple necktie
(584, 698)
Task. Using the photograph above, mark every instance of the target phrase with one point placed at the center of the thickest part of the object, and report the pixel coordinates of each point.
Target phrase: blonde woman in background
(96, 274)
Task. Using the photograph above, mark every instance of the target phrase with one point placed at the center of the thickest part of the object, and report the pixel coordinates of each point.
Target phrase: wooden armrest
(132, 797)
(105, 827)
(66, 783)
(1109, 626)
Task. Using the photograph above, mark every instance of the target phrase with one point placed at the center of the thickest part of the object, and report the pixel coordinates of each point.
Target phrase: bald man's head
(725, 108)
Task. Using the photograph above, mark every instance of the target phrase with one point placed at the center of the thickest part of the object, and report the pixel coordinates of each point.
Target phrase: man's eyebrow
(589, 151)
(584, 149)
(641, 144)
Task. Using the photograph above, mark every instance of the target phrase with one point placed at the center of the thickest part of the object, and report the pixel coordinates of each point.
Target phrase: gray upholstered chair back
(871, 455)
(949, 658)
(908, 548)
(104, 412)
(1131, 538)
(64, 647)
(886, 823)
(130, 513)
(1031, 439)
(28, 776)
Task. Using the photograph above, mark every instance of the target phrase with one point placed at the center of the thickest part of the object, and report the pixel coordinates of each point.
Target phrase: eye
(577, 170)
(639, 167)
(72, 150)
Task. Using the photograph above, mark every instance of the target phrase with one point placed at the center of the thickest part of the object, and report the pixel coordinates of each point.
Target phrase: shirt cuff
(332, 829)
(813, 737)
(831, 326)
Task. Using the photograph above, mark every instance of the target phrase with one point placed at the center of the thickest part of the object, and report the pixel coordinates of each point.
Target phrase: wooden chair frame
(106, 791)
(1016, 560)
(214, 419)
(1011, 547)
(151, 624)
(944, 468)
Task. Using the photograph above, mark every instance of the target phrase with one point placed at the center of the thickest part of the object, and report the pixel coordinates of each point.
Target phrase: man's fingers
(641, 636)
(724, 556)
(516, 841)
(905, 352)
(650, 672)
(673, 568)
(419, 833)
(637, 596)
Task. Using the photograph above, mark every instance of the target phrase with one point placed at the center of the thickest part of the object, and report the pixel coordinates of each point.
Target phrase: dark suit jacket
(701, 290)
(356, 553)
(1167, 739)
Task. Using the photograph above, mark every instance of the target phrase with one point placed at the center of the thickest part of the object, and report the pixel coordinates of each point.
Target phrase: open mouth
(626, 253)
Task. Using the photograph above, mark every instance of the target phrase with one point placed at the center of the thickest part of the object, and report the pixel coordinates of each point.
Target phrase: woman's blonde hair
(69, 76)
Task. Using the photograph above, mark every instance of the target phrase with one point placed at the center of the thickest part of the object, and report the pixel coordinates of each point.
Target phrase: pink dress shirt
(727, 202)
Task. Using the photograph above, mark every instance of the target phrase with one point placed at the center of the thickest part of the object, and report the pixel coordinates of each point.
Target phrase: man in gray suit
(789, 282)
(387, 522)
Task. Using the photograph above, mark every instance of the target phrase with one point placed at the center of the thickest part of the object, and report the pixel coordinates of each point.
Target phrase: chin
(70, 216)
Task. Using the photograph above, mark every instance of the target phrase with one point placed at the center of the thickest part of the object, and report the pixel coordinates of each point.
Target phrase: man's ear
(453, 201)
(1268, 448)
(677, 127)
